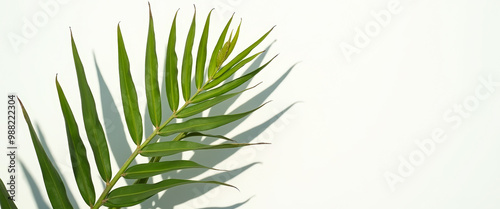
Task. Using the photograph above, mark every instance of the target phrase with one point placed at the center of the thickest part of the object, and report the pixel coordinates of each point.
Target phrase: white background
(359, 119)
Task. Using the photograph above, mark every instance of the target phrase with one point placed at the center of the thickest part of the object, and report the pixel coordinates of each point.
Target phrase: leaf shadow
(172, 199)
(166, 111)
(148, 127)
(116, 133)
(221, 109)
(237, 205)
(35, 190)
(114, 127)
(51, 158)
(179, 195)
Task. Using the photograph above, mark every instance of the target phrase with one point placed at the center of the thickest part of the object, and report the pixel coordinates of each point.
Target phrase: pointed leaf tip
(202, 106)
(173, 147)
(229, 86)
(202, 124)
(238, 58)
(53, 183)
(5, 201)
(137, 193)
(129, 93)
(151, 76)
(155, 168)
(78, 154)
(171, 71)
(212, 67)
(201, 57)
(93, 126)
(187, 61)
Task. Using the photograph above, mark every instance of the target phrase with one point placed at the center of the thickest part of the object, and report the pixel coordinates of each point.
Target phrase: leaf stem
(124, 167)
(127, 163)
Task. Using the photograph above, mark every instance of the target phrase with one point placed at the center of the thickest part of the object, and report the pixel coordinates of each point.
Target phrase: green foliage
(5, 202)
(151, 169)
(137, 193)
(95, 132)
(212, 85)
(53, 182)
(161, 149)
(129, 94)
(171, 70)
(151, 75)
(77, 151)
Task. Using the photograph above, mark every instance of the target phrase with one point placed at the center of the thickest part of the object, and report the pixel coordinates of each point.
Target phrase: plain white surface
(361, 116)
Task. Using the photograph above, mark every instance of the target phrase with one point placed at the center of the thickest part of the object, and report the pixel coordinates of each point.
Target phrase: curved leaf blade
(137, 193)
(5, 201)
(187, 61)
(128, 93)
(230, 71)
(194, 134)
(173, 147)
(201, 58)
(200, 107)
(93, 127)
(234, 40)
(202, 124)
(230, 85)
(151, 169)
(212, 67)
(77, 151)
(53, 182)
(223, 53)
(145, 180)
(242, 54)
(152, 87)
(171, 69)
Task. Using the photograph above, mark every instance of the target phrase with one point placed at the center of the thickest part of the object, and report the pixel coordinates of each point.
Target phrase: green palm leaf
(95, 132)
(194, 134)
(187, 61)
(234, 40)
(77, 151)
(53, 182)
(202, 124)
(200, 107)
(151, 75)
(230, 71)
(211, 91)
(5, 202)
(201, 58)
(230, 85)
(129, 94)
(151, 169)
(135, 194)
(242, 54)
(171, 70)
(173, 147)
(212, 67)
(223, 52)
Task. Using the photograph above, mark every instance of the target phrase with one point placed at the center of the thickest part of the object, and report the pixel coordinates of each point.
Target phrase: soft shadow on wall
(179, 195)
